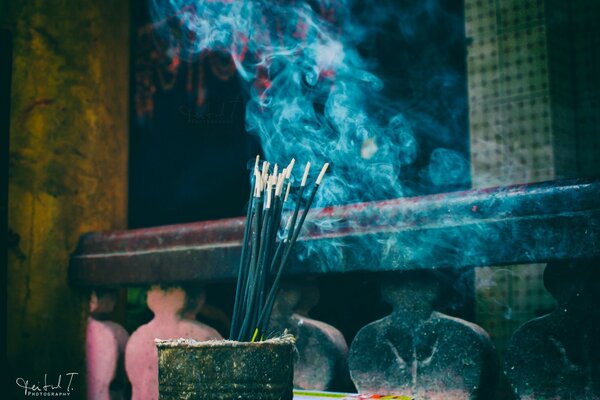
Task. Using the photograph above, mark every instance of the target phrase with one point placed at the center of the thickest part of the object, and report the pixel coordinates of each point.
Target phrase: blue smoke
(311, 95)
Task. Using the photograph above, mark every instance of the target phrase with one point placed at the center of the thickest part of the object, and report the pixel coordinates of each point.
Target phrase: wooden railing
(416, 350)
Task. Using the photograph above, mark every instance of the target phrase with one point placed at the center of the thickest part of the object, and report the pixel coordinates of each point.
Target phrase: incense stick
(266, 312)
(242, 270)
(266, 246)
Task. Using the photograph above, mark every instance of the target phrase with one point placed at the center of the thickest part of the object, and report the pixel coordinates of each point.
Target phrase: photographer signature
(55, 387)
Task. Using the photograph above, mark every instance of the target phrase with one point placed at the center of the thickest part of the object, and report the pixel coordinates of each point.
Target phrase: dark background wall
(188, 161)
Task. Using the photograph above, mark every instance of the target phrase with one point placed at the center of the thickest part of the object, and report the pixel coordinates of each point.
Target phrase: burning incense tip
(305, 177)
(322, 173)
(275, 170)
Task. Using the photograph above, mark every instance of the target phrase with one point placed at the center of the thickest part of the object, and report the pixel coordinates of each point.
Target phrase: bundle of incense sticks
(267, 245)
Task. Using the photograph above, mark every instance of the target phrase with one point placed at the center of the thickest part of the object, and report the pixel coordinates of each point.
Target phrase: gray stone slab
(558, 355)
(421, 353)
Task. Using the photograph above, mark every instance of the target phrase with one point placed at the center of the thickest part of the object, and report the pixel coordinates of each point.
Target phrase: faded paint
(68, 170)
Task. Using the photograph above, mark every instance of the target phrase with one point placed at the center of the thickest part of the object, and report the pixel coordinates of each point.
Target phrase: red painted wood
(514, 224)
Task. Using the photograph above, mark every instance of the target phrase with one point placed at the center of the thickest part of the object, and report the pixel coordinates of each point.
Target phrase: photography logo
(51, 386)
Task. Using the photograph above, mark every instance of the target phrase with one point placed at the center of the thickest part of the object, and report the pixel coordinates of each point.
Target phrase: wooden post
(68, 173)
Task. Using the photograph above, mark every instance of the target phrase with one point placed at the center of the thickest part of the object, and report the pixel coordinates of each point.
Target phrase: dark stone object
(420, 353)
(322, 350)
(558, 355)
(226, 370)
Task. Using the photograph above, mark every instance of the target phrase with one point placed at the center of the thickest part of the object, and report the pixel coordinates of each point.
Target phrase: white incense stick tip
(287, 191)
(257, 160)
(257, 183)
(275, 170)
(290, 167)
(279, 187)
(305, 177)
(265, 173)
(268, 202)
(322, 173)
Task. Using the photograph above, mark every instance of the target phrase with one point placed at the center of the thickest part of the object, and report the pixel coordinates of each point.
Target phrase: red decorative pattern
(158, 63)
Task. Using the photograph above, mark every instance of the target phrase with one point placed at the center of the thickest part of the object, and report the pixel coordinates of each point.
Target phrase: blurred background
(105, 126)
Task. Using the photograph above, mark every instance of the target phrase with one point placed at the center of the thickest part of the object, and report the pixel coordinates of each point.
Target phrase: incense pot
(226, 369)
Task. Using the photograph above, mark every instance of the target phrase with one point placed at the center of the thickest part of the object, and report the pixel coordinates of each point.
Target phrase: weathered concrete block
(226, 369)
(558, 355)
(420, 353)
(322, 350)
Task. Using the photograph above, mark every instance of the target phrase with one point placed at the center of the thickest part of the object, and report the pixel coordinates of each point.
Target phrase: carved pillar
(141, 358)
(420, 353)
(558, 355)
